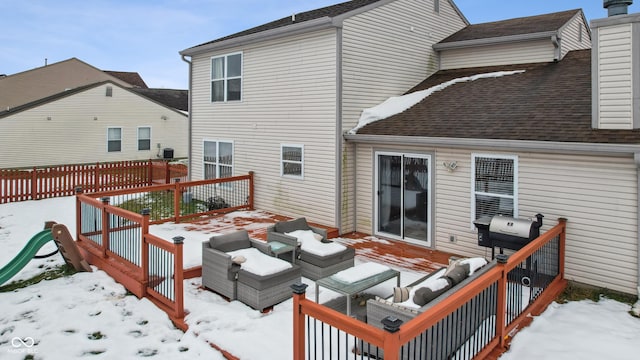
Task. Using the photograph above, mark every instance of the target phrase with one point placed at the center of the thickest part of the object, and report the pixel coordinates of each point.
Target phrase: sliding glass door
(403, 197)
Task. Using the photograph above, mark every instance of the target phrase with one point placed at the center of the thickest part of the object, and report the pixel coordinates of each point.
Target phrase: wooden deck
(397, 254)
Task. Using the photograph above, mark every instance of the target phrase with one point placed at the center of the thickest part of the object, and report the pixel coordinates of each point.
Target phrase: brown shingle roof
(548, 102)
(132, 78)
(518, 26)
(328, 11)
(177, 99)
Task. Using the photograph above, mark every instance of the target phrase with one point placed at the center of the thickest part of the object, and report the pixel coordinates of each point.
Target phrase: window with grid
(226, 78)
(114, 139)
(494, 185)
(218, 159)
(144, 138)
(292, 161)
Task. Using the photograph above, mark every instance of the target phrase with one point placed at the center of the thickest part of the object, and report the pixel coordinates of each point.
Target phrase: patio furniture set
(260, 273)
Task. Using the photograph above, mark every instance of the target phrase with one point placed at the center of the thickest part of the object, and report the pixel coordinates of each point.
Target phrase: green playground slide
(25, 255)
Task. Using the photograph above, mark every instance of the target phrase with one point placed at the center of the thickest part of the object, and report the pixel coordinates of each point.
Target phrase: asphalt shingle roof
(548, 102)
(518, 26)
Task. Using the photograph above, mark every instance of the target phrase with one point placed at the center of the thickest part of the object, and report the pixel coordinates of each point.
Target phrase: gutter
(636, 307)
(190, 127)
(495, 40)
(521, 145)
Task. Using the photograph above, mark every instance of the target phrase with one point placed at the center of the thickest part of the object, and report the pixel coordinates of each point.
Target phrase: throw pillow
(425, 294)
(401, 294)
(457, 272)
(238, 259)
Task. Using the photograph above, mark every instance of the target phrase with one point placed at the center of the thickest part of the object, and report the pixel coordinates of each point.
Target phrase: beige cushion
(401, 294)
(239, 259)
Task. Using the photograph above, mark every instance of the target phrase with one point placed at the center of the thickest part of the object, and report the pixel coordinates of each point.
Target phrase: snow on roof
(397, 104)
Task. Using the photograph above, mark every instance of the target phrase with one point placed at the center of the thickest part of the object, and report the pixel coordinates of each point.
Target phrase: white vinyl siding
(500, 54)
(598, 196)
(289, 92)
(386, 51)
(575, 36)
(614, 75)
(87, 115)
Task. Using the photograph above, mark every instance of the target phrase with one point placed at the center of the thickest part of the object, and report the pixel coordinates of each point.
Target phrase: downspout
(339, 137)
(636, 307)
(555, 40)
(189, 131)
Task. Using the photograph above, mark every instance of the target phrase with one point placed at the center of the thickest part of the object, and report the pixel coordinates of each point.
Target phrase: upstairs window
(144, 138)
(226, 78)
(114, 139)
(495, 179)
(218, 159)
(292, 161)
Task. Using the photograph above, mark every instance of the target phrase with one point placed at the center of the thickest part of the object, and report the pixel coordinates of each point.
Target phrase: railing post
(177, 195)
(78, 190)
(299, 334)
(561, 246)
(105, 226)
(251, 190)
(167, 177)
(96, 178)
(34, 184)
(178, 276)
(144, 261)
(391, 324)
(150, 173)
(501, 306)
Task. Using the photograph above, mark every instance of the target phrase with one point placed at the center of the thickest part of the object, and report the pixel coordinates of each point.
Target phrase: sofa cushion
(401, 294)
(230, 242)
(308, 243)
(425, 294)
(456, 272)
(292, 225)
(327, 260)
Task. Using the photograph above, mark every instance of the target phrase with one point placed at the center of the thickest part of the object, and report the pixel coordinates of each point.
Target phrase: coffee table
(353, 288)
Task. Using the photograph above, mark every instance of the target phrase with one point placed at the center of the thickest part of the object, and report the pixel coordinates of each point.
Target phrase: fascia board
(494, 40)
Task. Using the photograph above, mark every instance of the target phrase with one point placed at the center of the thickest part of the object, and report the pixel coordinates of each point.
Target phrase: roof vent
(617, 7)
(293, 17)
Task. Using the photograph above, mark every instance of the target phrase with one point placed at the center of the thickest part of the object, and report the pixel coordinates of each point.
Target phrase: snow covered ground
(90, 315)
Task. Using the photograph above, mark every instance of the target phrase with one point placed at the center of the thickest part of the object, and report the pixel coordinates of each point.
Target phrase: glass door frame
(376, 203)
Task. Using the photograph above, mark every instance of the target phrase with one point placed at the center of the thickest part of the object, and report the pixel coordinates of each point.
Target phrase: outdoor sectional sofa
(259, 281)
(453, 333)
(317, 256)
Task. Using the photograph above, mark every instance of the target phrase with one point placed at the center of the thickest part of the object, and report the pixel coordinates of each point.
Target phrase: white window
(292, 160)
(494, 185)
(114, 139)
(218, 159)
(226, 78)
(144, 138)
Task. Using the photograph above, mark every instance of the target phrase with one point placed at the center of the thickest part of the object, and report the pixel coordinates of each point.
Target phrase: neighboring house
(515, 117)
(88, 118)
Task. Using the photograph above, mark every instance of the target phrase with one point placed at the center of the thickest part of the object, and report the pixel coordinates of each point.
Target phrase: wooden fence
(501, 300)
(49, 182)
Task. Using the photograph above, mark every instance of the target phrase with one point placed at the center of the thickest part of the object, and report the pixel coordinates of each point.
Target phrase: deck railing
(57, 181)
(113, 232)
(473, 322)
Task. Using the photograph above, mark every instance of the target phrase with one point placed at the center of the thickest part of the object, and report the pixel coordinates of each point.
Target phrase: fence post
(501, 306)
(105, 226)
(299, 335)
(167, 174)
(34, 184)
(178, 276)
(96, 178)
(177, 194)
(561, 245)
(144, 263)
(391, 324)
(251, 190)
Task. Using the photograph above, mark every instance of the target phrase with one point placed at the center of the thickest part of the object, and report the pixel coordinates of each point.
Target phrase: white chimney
(615, 63)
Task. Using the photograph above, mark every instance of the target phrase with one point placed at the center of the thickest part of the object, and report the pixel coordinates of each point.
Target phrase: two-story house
(514, 117)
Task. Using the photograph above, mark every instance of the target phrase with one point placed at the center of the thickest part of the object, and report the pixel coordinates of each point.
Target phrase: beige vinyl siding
(73, 136)
(574, 36)
(596, 194)
(288, 96)
(499, 54)
(385, 52)
(615, 74)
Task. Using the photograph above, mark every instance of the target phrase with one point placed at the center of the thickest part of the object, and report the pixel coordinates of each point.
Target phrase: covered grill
(507, 232)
